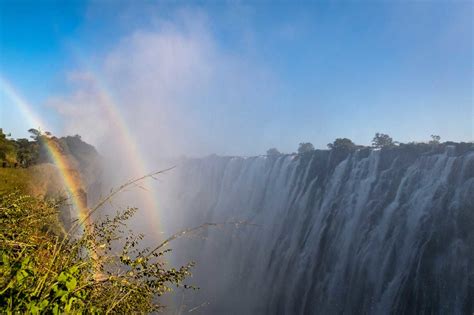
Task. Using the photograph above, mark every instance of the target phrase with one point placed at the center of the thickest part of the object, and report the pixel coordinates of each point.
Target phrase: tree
(27, 152)
(342, 143)
(3, 135)
(435, 140)
(305, 147)
(35, 133)
(7, 146)
(273, 152)
(382, 140)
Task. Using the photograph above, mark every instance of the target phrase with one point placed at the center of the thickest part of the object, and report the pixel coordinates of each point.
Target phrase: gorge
(331, 231)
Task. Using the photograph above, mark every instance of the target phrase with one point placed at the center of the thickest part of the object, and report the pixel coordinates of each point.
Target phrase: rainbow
(70, 178)
(72, 182)
(130, 150)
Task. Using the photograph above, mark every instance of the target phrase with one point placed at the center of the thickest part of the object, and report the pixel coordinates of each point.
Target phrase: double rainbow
(72, 182)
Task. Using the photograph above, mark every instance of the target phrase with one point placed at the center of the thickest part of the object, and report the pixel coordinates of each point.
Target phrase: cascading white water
(367, 232)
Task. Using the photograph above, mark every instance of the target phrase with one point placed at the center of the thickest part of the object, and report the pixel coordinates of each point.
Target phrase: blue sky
(243, 76)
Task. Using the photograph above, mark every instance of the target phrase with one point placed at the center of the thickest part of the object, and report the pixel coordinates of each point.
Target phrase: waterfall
(331, 232)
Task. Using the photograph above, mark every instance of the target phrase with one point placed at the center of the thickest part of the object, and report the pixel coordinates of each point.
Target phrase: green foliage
(44, 269)
(26, 153)
(382, 140)
(435, 140)
(342, 143)
(35, 134)
(305, 147)
(20, 152)
(273, 152)
(7, 147)
(11, 178)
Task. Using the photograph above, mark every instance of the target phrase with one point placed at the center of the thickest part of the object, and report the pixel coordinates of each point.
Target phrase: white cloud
(82, 109)
(176, 89)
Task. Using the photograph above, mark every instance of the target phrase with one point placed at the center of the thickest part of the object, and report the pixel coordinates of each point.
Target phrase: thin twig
(195, 229)
(119, 301)
(16, 243)
(198, 307)
(114, 192)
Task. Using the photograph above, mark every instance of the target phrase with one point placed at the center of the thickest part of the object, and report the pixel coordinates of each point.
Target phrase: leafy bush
(44, 269)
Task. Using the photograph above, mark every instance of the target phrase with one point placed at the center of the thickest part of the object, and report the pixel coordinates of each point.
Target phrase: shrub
(44, 269)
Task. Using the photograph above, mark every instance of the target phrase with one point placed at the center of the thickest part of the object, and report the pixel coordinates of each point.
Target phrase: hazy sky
(239, 77)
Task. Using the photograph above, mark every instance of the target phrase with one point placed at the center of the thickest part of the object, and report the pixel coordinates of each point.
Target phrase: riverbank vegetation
(102, 269)
(51, 266)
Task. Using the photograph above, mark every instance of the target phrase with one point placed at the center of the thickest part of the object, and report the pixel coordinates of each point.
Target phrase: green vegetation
(44, 269)
(14, 178)
(342, 143)
(95, 267)
(382, 140)
(7, 148)
(273, 152)
(435, 140)
(305, 147)
(16, 153)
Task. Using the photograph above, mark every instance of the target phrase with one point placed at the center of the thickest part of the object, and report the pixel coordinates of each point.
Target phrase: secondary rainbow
(130, 150)
(128, 144)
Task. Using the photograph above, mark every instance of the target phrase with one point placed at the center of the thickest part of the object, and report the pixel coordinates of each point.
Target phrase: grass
(45, 269)
(39, 180)
(14, 178)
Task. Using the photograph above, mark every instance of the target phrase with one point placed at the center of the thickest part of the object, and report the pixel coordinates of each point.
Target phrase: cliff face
(80, 163)
(88, 164)
(366, 232)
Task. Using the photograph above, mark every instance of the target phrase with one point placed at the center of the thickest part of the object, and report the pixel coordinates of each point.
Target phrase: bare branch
(114, 192)
(194, 230)
(199, 306)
